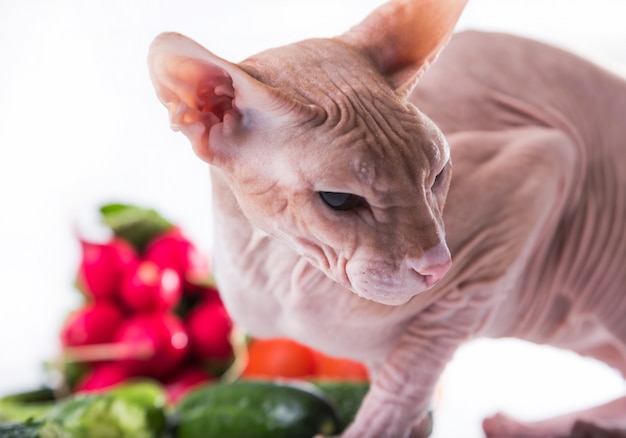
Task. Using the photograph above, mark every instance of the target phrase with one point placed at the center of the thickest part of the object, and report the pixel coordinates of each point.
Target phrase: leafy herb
(28, 429)
(136, 225)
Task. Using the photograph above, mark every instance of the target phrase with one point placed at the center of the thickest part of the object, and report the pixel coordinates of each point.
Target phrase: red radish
(147, 287)
(209, 327)
(173, 250)
(95, 323)
(102, 377)
(208, 293)
(184, 381)
(101, 267)
(160, 336)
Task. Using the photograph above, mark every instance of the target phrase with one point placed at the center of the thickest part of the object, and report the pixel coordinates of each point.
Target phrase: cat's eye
(440, 177)
(342, 201)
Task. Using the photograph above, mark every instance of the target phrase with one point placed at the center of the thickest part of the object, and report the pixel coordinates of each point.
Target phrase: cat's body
(570, 112)
(534, 216)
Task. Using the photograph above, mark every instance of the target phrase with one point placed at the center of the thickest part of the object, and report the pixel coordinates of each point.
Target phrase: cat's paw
(380, 426)
(424, 428)
(588, 430)
(502, 426)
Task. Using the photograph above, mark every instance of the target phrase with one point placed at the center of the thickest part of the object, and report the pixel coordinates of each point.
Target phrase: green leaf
(138, 226)
(26, 405)
(102, 416)
(28, 429)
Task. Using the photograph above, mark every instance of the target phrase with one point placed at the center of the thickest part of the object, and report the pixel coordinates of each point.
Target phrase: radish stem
(109, 351)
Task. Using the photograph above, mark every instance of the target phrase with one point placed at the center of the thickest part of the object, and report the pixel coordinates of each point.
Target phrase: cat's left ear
(212, 100)
(403, 37)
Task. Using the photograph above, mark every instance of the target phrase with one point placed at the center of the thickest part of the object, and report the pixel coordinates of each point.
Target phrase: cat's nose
(432, 274)
(433, 264)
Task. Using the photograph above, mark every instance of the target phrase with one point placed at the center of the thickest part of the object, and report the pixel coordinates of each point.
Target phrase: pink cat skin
(392, 193)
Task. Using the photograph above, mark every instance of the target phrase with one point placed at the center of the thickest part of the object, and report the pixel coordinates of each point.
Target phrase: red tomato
(339, 369)
(279, 357)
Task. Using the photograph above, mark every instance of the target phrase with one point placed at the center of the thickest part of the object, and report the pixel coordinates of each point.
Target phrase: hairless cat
(331, 169)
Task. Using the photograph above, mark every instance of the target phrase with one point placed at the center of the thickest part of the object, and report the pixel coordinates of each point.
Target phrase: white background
(80, 126)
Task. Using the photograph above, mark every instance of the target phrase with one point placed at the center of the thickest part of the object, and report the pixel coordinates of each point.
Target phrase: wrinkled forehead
(371, 133)
(379, 149)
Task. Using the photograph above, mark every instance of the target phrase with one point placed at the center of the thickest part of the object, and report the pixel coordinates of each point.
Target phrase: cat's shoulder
(494, 42)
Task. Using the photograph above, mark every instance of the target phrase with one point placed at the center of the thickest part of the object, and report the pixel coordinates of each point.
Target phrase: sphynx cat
(331, 168)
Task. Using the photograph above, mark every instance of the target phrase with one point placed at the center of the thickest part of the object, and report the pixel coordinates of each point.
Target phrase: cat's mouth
(395, 283)
(389, 287)
(382, 282)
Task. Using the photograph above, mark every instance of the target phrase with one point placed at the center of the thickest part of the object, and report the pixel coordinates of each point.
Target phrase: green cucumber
(346, 397)
(255, 409)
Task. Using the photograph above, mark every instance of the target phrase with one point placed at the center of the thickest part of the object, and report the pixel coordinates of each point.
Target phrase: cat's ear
(209, 98)
(403, 37)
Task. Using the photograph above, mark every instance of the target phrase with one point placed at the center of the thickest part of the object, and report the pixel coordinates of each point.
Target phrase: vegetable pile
(150, 309)
(246, 408)
(152, 352)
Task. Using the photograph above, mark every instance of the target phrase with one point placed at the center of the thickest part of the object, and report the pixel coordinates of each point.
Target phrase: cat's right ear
(403, 37)
(210, 99)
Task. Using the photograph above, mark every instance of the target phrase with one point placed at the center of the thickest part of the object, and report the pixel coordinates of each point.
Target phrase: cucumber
(255, 409)
(346, 397)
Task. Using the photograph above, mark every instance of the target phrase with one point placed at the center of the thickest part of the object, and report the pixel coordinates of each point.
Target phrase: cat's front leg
(387, 418)
(402, 388)
(400, 396)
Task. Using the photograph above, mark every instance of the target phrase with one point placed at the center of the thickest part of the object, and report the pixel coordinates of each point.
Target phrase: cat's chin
(389, 296)
(388, 301)
(384, 285)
